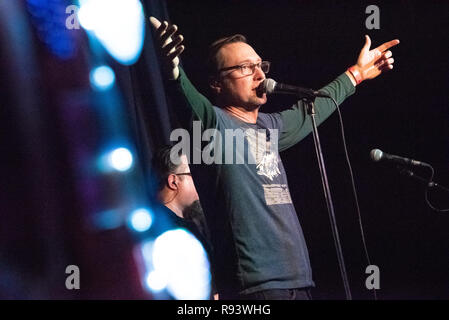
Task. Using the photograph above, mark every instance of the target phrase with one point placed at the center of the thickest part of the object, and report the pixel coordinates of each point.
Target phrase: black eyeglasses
(248, 68)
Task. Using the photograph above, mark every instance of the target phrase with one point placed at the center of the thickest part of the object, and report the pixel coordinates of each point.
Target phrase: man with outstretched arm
(259, 244)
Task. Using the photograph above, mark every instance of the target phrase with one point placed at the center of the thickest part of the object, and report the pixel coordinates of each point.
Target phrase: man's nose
(258, 73)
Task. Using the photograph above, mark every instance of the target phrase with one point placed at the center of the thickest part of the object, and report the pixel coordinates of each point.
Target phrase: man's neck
(167, 199)
(248, 116)
(173, 207)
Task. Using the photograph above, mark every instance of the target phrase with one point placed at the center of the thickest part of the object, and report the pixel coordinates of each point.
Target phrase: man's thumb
(367, 43)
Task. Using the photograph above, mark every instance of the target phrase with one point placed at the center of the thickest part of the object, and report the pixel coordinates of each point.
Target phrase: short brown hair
(162, 165)
(212, 64)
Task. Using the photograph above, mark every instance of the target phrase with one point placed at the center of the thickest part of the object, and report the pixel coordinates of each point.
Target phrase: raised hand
(169, 46)
(372, 63)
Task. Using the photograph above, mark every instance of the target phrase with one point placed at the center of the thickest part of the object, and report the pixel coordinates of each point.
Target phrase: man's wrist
(355, 75)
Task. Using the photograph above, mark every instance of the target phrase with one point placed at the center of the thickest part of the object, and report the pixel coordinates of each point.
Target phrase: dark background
(404, 112)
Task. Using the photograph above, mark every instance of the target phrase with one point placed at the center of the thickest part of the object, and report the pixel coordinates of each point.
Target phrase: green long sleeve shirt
(256, 235)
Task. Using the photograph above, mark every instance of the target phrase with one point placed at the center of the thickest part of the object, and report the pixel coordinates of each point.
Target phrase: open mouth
(260, 89)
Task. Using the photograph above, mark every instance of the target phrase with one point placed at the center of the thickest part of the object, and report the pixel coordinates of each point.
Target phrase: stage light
(102, 78)
(156, 281)
(120, 159)
(87, 14)
(181, 259)
(117, 24)
(147, 252)
(140, 220)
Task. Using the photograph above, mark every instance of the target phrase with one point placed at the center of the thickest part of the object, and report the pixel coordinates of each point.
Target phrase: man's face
(235, 89)
(187, 194)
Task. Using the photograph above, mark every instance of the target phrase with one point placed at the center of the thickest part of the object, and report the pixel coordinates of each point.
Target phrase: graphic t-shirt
(257, 238)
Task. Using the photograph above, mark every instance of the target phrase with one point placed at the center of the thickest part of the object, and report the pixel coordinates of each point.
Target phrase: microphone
(270, 86)
(377, 155)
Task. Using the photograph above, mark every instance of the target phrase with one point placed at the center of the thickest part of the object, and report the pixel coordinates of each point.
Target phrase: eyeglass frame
(183, 174)
(246, 64)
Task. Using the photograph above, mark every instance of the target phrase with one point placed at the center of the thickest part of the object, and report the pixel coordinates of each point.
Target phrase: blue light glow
(117, 24)
(156, 281)
(102, 78)
(109, 219)
(49, 19)
(120, 159)
(141, 220)
(180, 260)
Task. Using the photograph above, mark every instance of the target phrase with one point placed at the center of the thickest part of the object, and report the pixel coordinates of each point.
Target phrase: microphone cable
(353, 188)
(429, 185)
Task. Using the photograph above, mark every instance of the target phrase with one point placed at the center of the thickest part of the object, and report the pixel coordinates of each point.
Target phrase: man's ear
(215, 85)
(172, 182)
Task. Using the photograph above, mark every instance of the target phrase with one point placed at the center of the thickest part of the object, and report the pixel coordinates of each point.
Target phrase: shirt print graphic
(276, 194)
(263, 151)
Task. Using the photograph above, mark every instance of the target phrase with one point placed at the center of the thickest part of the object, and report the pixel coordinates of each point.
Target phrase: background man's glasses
(247, 69)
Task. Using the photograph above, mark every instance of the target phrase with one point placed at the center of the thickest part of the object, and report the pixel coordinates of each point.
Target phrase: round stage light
(121, 159)
(102, 78)
(141, 220)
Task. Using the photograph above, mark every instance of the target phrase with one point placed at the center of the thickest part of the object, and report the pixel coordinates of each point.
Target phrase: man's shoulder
(264, 120)
(270, 120)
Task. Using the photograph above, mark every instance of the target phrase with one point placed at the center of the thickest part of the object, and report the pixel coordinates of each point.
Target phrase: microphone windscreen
(269, 85)
(376, 155)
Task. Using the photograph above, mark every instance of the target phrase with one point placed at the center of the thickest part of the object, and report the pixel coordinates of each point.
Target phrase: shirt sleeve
(191, 105)
(296, 124)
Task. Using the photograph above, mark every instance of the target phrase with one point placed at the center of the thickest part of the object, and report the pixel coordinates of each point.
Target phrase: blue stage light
(179, 259)
(141, 220)
(102, 78)
(156, 281)
(117, 24)
(120, 159)
(49, 19)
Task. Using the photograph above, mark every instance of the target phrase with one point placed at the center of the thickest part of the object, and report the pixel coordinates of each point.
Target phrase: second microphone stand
(309, 104)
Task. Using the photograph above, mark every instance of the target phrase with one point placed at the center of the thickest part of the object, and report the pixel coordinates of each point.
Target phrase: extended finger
(172, 45)
(387, 54)
(387, 45)
(381, 63)
(155, 23)
(383, 56)
(162, 28)
(168, 33)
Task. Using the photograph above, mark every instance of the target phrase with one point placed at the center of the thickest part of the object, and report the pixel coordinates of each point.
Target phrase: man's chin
(252, 106)
(256, 102)
(260, 101)
(193, 211)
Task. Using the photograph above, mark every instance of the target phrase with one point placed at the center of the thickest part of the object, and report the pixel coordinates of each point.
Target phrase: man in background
(176, 191)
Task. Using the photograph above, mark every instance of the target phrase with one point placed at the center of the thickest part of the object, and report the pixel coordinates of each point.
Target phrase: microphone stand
(411, 174)
(309, 103)
(429, 184)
